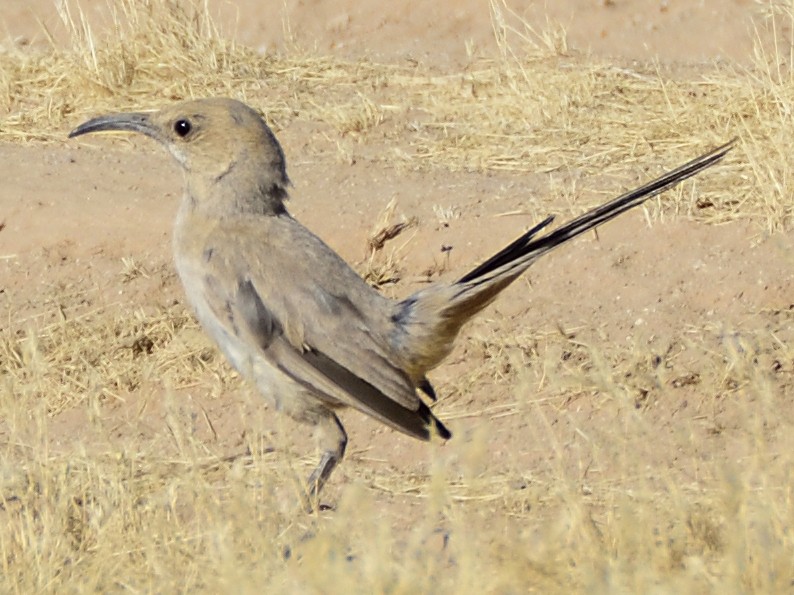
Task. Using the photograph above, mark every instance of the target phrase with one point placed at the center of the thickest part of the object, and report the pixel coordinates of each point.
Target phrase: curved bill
(129, 122)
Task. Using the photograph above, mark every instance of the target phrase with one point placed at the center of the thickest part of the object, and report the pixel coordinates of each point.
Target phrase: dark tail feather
(433, 421)
(524, 246)
(508, 253)
(427, 388)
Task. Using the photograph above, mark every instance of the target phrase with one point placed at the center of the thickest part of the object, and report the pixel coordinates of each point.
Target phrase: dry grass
(380, 267)
(602, 509)
(597, 510)
(591, 117)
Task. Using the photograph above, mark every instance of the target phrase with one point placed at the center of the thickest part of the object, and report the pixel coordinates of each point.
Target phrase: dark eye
(182, 127)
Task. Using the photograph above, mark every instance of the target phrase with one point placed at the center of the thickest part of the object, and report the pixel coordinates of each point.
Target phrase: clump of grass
(105, 354)
(381, 267)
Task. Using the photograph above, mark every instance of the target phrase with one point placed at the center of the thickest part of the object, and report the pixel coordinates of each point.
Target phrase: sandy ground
(72, 210)
(449, 31)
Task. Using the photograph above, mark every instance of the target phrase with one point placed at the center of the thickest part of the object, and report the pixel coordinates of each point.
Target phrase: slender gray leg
(333, 439)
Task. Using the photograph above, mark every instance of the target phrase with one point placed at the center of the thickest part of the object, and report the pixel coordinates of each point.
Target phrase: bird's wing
(312, 317)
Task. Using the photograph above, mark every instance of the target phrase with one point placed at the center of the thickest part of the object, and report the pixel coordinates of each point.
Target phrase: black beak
(130, 122)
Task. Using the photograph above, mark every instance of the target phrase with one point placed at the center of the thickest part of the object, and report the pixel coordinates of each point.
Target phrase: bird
(289, 314)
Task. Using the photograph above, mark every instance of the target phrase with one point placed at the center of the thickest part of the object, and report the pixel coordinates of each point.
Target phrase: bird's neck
(231, 195)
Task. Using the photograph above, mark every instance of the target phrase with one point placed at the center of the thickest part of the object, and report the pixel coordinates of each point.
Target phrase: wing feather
(323, 332)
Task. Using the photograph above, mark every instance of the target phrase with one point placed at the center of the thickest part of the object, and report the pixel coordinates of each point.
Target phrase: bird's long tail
(478, 287)
(427, 322)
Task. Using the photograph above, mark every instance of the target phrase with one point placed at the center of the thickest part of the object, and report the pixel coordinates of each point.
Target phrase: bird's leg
(333, 440)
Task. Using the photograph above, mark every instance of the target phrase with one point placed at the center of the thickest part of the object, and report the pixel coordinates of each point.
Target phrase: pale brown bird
(286, 310)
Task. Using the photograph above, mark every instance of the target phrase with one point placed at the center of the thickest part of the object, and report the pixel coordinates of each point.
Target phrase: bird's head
(220, 143)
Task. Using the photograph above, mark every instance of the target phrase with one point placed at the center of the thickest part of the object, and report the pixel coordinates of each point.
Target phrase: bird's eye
(182, 127)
